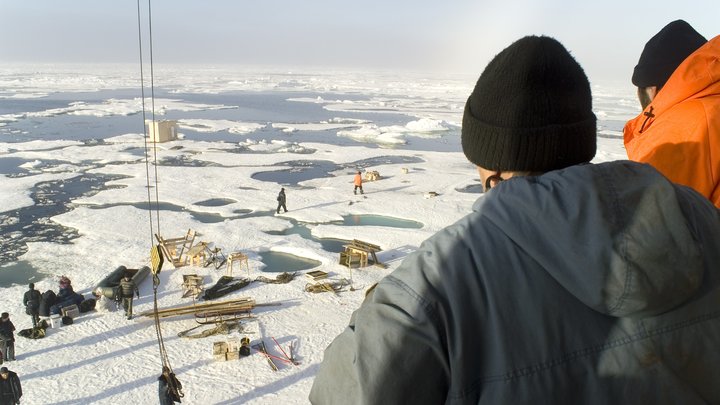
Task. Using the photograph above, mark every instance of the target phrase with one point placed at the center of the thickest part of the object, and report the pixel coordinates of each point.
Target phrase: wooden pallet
(316, 275)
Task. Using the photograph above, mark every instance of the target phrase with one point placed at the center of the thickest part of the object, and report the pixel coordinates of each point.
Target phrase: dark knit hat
(531, 110)
(5, 315)
(4, 370)
(664, 52)
(31, 286)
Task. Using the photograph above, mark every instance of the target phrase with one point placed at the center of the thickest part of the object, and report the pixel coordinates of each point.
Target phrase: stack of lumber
(230, 307)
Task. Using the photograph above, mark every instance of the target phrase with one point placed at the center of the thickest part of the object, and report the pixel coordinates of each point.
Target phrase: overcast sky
(458, 36)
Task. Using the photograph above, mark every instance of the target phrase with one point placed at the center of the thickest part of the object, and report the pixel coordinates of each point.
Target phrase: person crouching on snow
(169, 387)
(128, 289)
(568, 283)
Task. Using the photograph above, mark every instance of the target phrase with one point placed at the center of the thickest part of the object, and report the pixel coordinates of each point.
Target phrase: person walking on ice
(281, 201)
(358, 183)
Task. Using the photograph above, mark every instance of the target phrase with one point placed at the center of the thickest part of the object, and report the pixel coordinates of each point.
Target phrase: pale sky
(458, 36)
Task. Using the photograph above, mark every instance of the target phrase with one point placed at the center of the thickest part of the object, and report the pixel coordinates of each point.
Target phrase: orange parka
(679, 132)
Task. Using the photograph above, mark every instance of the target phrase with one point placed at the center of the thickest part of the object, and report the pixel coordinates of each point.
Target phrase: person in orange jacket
(358, 183)
(678, 131)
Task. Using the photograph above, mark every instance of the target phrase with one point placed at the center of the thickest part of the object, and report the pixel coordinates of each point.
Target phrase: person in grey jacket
(127, 290)
(568, 283)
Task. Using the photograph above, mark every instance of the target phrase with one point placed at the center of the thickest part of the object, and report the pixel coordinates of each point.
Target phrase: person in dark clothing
(281, 201)
(169, 388)
(7, 338)
(47, 300)
(128, 288)
(10, 388)
(31, 301)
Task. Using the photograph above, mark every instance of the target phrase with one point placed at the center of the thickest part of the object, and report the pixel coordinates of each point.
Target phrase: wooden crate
(233, 345)
(220, 348)
(192, 285)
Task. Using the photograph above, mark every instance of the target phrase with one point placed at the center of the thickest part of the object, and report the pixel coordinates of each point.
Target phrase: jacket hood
(697, 76)
(613, 234)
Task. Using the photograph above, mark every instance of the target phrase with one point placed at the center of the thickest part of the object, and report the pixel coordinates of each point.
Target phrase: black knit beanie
(664, 52)
(531, 110)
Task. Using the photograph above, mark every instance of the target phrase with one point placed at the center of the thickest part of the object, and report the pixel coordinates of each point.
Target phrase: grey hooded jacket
(596, 284)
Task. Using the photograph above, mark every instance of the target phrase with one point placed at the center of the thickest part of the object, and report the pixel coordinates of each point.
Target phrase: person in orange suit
(358, 183)
(678, 131)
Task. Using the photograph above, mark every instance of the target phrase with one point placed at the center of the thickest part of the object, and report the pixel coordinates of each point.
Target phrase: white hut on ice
(162, 131)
